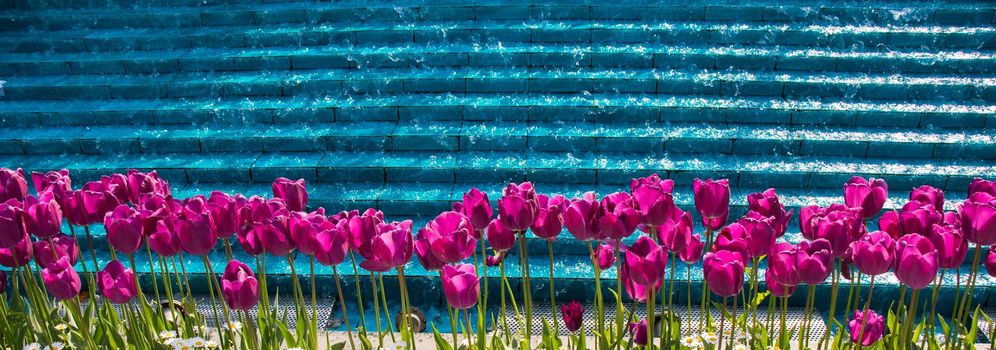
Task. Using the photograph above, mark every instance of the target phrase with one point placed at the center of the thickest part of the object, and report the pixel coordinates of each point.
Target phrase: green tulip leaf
(441, 343)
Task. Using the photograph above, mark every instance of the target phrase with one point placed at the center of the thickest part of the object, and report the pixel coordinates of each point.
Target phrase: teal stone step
(55, 15)
(501, 107)
(632, 138)
(338, 82)
(668, 56)
(812, 35)
(582, 168)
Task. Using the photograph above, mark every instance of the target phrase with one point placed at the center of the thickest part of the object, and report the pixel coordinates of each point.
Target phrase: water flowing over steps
(403, 106)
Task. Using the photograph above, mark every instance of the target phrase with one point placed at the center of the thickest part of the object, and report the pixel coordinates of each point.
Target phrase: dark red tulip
(293, 193)
(618, 217)
(239, 286)
(62, 246)
(549, 218)
(653, 199)
(518, 206)
(874, 327)
(140, 183)
(581, 217)
(712, 200)
(116, 283)
(869, 195)
(638, 331)
(501, 239)
(18, 254)
(61, 281)
(767, 204)
(916, 262)
(13, 185)
(451, 237)
(873, 253)
(978, 218)
(814, 261)
(56, 182)
(124, 229)
(724, 272)
(42, 216)
(573, 315)
(477, 207)
(11, 223)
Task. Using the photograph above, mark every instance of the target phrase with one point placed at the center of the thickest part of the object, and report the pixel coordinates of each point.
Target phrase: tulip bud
(391, 247)
(477, 207)
(990, 262)
(712, 200)
(639, 332)
(733, 238)
(61, 246)
(116, 283)
(549, 218)
(653, 199)
(573, 315)
(57, 183)
(494, 260)
(11, 227)
(916, 262)
(918, 217)
(618, 218)
(124, 229)
(724, 272)
(928, 195)
(239, 286)
(61, 281)
(605, 256)
(978, 218)
(460, 285)
(646, 261)
(692, 251)
(451, 237)
(767, 204)
(760, 233)
(873, 324)
(518, 206)
(12, 184)
(814, 261)
(423, 251)
(332, 243)
(581, 217)
(164, 240)
(981, 185)
(293, 193)
(782, 264)
(500, 238)
(139, 184)
(873, 253)
(18, 254)
(42, 216)
(776, 287)
(952, 247)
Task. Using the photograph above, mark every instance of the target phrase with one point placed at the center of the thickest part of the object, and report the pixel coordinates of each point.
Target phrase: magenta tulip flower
(13, 185)
(675, 232)
(239, 286)
(249, 240)
(928, 195)
(692, 251)
(782, 264)
(224, 211)
(724, 272)
(916, 262)
(646, 261)
(493, 260)
(99, 197)
(304, 227)
(62, 246)
(838, 224)
(293, 193)
(918, 217)
(605, 256)
(653, 198)
(451, 237)
(990, 262)
(874, 327)
(735, 238)
(518, 206)
(116, 283)
(56, 182)
(760, 233)
(873, 253)
(776, 287)
(978, 218)
(18, 254)
(42, 216)
(393, 246)
(981, 185)
(61, 280)
(638, 331)
(767, 204)
(124, 229)
(814, 261)
(869, 195)
(195, 228)
(164, 240)
(501, 239)
(581, 217)
(712, 200)
(952, 247)
(333, 243)
(423, 251)
(74, 209)
(140, 184)
(550, 218)
(477, 207)
(573, 315)
(362, 229)
(618, 217)
(275, 236)
(461, 286)
(11, 223)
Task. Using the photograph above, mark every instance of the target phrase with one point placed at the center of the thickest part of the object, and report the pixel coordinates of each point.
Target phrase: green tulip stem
(705, 286)
(152, 270)
(373, 288)
(387, 313)
(342, 302)
(404, 327)
(954, 310)
(504, 315)
(214, 301)
(89, 242)
(482, 304)
(468, 329)
(526, 287)
(314, 298)
(359, 294)
(722, 323)
(933, 302)
(619, 292)
(670, 300)
(688, 295)
(835, 282)
(651, 315)
(968, 296)
(599, 312)
(553, 291)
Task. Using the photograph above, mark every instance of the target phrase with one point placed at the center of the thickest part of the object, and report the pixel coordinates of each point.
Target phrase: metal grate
(204, 309)
(689, 321)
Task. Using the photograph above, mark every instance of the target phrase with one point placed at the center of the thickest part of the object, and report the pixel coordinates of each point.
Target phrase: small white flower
(56, 346)
(32, 346)
(691, 341)
(170, 341)
(709, 338)
(196, 342)
(61, 327)
(234, 326)
(398, 346)
(740, 347)
(294, 349)
(182, 345)
(211, 344)
(167, 334)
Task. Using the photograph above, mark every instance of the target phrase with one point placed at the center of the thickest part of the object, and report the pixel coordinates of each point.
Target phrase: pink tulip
(116, 283)
(981, 185)
(249, 240)
(990, 262)
(42, 216)
(239, 286)
(760, 233)
(500, 238)
(477, 207)
(646, 261)
(74, 209)
(518, 206)
(814, 261)
(304, 228)
(928, 195)
(423, 251)
(676, 230)
(605, 256)
(460, 285)
(573, 315)
(61, 246)
(724, 272)
(362, 228)
(767, 204)
(782, 264)
(18, 254)
(618, 217)
(140, 184)
(952, 247)
(889, 223)
(61, 280)
(195, 228)
(776, 287)
(918, 217)
(56, 182)
(275, 237)
(653, 199)
(838, 224)
(874, 327)
(333, 243)
(636, 291)
(293, 193)
(124, 229)
(494, 260)
(639, 332)
(99, 198)
(155, 208)
(869, 195)
(978, 218)
(549, 218)
(11, 223)
(164, 240)
(735, 238)
(451, 237)
(873, 253)
(391, 247)
(692, 251)
(224, 211)
(712, 200)
(12, 184)
(581, 217)
(916, 262)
